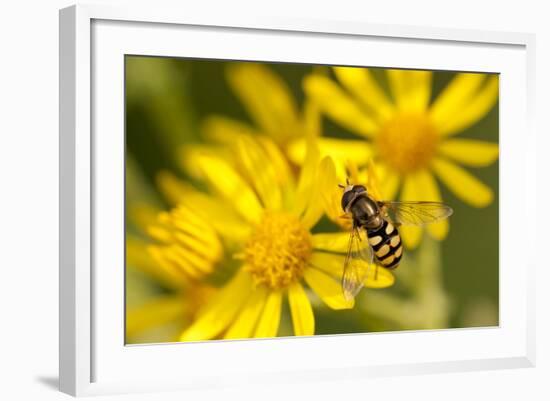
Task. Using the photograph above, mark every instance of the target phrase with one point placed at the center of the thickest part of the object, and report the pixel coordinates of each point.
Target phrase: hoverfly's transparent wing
(415, 213)
(358, 261)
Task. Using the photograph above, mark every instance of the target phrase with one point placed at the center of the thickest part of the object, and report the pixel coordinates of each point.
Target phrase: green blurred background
(166, 99)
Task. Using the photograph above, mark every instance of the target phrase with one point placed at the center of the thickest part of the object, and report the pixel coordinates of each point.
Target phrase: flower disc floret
(408, 142)
(278, 250)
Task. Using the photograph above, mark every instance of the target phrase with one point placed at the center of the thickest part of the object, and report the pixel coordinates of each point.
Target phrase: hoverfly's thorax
(366, 212)
(370, 206)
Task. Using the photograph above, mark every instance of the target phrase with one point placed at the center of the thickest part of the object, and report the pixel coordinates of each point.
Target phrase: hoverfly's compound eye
(350, 193)
(359, 188)
(347, 198)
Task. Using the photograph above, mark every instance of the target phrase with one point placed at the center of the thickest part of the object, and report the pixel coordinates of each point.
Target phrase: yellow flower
(163, 255)
(272, 216)
(409, 138)
(160, 317)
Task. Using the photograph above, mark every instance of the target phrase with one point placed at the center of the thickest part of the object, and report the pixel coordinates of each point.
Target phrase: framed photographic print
(267, 200)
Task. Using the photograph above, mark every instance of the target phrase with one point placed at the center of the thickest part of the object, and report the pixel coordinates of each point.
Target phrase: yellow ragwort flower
(160, 254)
(271, 217)
(409, 138)
(179, 261)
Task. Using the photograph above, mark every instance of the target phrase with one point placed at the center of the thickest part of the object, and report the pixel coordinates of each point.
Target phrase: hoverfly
(374, 238)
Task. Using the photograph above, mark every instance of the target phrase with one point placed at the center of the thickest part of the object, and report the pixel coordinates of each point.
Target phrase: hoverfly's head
(351, 192)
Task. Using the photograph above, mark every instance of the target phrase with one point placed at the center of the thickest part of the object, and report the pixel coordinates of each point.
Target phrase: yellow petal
(301, 311)
(160, 234)
(307, 180)
(474, 110)
(311, 119)
(188, 243)
(224, 220)
(138, 257)
(172, 188)
(378, 277)
(158, 312)
(333, 242)
(313, 213)
(428, 190)
(314, 208)
(351, 172)
(387, 181)
(192, 258)
(439, 230)
(173, 258)
(248, 317)
(221, 310)
(337, 105)
(331, 194)
(190, 153)
(327, 288)
(464, 101)
(192, 231)
(268, 325)
(411, 235)
(266, 97)
(277, 159)
(470, 151)
(330, 263)
(411, 89)
(225, 130)
(260, 172)
(339, 149)
(372, 181)
(168, 261)
(462, 183)
(230, 185)
(454, 96)
(360, 82)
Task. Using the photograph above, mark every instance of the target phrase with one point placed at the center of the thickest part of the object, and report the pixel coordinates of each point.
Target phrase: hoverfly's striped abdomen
(386, 244)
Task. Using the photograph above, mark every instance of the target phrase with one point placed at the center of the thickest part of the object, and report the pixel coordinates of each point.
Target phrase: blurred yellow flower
(409, 138)
(162, 317)
(166, 265)
(271, 216)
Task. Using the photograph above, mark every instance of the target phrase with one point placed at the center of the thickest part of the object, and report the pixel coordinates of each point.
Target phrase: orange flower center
(407, 142)
(278, 250)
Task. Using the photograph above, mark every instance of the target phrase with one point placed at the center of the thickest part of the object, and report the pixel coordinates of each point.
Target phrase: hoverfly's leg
(376, 272)
(345, 216)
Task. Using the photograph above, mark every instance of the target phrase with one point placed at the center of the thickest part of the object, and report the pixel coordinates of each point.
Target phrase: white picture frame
(92, 354)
